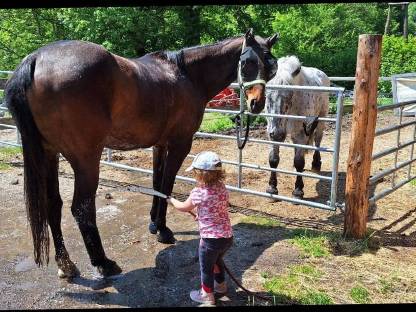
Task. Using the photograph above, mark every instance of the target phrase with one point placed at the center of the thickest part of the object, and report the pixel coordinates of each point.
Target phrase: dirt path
(156, 275)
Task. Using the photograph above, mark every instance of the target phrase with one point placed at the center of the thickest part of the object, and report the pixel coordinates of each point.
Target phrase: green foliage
(398, 56)
(297, 286)
(326, 35)
(360, 294)
(323, 35)
(216, 122)
(259, 121)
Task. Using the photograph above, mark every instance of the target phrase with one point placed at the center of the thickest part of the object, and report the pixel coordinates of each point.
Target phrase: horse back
(71, 93)
(312, 103)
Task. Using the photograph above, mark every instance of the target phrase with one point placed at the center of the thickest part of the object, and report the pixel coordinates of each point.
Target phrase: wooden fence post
(362, 135)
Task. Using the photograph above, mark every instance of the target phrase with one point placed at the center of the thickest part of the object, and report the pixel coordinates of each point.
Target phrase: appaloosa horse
(303, 103)
(75, 98)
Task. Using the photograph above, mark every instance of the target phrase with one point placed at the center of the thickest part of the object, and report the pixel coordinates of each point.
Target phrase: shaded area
(177, 272)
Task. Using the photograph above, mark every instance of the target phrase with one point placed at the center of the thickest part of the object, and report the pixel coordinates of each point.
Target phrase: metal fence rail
(330, 205)
(395, 149)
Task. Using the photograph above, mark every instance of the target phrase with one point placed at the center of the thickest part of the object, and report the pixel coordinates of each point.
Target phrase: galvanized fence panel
(400, 102)
(331, 203)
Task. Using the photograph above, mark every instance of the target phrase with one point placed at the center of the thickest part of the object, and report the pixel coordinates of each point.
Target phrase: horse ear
(249, 34)
(272, 40)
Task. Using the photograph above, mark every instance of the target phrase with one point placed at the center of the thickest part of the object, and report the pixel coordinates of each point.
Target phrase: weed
(387, 284)
(360, 294)
(313, 244)
(316, 297)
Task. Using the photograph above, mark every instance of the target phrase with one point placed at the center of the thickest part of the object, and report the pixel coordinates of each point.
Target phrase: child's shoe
(202, 296)
(220, 288)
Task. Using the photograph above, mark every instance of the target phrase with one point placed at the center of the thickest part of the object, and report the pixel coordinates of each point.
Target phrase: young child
(210, 199)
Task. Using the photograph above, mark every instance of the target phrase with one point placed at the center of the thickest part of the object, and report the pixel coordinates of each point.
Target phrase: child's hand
(194, 215)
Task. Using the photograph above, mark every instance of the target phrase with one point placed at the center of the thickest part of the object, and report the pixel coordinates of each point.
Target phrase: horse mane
(285, 67)
(177, 57)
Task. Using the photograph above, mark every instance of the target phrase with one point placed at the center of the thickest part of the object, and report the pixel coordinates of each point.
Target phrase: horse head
(280, 101)
(256, 66)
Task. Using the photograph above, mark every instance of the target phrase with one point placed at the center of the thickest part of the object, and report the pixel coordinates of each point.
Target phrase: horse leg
(299, 163)
(66, 268)
(316, 162)
(274, 159)
(175, 157)
(159, 156)
(83, 209)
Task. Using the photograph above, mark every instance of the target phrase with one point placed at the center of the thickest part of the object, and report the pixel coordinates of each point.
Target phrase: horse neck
(212, 68)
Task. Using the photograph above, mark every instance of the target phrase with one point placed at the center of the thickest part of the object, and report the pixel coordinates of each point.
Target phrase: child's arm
(181, 206)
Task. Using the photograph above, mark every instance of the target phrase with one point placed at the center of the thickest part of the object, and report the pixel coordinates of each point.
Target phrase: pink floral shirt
(212, 205)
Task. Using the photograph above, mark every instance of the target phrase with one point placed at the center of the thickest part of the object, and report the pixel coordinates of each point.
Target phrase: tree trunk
(386, 28)
(192, 23)
(362, 135)
(405, 18)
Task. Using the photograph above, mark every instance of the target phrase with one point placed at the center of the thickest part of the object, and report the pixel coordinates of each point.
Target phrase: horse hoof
(109, 268)
(152, 228)
(298, 194)
(68, 274)
(165, 236)
(67, 269)
(272, 190)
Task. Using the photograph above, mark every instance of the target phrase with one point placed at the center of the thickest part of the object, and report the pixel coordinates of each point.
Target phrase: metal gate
(404, 105)
(332, 200)
(331, 203)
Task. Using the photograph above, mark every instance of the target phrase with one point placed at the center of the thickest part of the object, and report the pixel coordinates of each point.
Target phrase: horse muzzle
(256, 98)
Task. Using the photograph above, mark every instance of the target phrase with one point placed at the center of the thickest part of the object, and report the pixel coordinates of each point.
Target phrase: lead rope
(250, 293)
(238, 125)
(238, 119)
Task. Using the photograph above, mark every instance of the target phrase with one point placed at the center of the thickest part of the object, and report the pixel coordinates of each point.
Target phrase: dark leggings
(211, 252)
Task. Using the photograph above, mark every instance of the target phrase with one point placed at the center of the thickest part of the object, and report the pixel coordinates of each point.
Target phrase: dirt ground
(158, 275)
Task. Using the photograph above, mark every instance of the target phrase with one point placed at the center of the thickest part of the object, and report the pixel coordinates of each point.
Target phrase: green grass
(216, 122)
(360, 294)
(6, 155)
(387, 285)
(297, 286)
(413, 182)
(347, 101)
(260, 222)
(312, 244)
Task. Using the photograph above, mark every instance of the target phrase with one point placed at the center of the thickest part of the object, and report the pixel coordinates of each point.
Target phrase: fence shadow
(323, 190)
(388, 238)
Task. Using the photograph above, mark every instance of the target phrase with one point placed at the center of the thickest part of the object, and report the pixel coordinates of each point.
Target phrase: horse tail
(35, 163)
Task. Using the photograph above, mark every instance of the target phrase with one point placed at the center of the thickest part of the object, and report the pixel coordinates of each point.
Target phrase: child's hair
(209, 177)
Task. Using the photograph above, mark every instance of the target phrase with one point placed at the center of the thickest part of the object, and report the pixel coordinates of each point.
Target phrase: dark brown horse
(75, 98)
